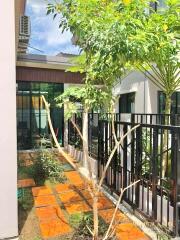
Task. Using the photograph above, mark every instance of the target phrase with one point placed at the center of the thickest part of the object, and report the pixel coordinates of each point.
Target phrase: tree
(94, 186)
(84, 18)
(126, 34)
(147, 40)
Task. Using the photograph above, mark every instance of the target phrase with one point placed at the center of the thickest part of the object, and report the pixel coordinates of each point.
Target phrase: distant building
(38, 75)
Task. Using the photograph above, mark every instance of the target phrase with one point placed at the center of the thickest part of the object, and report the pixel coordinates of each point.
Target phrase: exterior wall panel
(47, 75)
(8, 169)
(145, 92)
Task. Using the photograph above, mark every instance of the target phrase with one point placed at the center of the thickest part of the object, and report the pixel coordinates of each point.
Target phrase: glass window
(32, 123)
(175, 102)
(127, 103)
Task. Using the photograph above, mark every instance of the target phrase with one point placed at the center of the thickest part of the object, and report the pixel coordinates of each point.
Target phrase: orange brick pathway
(26, 183)
(53, 206)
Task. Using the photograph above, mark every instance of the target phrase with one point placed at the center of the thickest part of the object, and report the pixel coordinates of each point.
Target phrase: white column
(8, 152)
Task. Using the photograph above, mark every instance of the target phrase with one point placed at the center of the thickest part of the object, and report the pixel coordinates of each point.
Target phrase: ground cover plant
(82, 221)
(44, 167)
(47, 167)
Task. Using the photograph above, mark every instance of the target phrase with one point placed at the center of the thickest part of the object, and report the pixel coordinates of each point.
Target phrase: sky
(45, 33)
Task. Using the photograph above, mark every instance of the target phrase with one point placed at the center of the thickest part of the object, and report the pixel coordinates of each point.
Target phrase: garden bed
(62, 210)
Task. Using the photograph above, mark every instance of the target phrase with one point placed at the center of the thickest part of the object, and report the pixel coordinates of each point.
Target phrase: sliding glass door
(32, 125)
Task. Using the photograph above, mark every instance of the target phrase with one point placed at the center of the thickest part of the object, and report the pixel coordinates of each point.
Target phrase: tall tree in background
(145, 39)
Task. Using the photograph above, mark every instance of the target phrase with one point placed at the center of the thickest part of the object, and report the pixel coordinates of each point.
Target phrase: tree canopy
(124, 34)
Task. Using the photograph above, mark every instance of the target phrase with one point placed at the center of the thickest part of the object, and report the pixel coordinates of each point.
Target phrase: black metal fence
(142, 156)
(162, 119)
(152, 154)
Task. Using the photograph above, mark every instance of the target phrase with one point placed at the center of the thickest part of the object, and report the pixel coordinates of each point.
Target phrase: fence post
(125, 157)
(90, 116)
(74, 131)
(154, 173)
(137, 164)
(177, 183)
(99, 157)
(133, 142)
(115, 161)
(132, 118)
(68, 140)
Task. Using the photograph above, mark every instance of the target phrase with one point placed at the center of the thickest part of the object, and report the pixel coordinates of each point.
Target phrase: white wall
(8, 168)
(145, 92)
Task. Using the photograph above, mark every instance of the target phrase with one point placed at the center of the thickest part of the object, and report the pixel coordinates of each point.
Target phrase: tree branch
(151, 77)
(116, 209)
(77, 128)
(112, 154)
(54, 135)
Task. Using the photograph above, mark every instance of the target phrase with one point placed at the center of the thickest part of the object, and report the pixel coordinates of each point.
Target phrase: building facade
(39, 75)
(137, 94)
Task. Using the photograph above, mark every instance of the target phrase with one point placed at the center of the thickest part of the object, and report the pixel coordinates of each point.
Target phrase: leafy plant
(37, 238)
(46, 167)
(82, 221)
(25, 200)
(52, 168)
(147, 154)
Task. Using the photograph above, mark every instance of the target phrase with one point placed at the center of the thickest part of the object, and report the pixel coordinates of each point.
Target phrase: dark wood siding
(30, 74)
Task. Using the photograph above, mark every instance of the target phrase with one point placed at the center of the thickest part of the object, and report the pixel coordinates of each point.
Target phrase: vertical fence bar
(115, 160)
(154, 173)
(138, 163)
(125, 157)
(100, 152)
(177, 184)
(90, 116)
(132, 146)
(106, 146)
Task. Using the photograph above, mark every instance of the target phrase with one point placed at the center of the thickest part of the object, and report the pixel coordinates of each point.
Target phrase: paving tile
(103, 203)
(50, 212)
(24, 156)
(54, 228)
(71, 196)
(63, 187)
(67, 156)
(26, 183)
(74, 177)
(41, 191)
(86, 194)
(80, 186)
(61, 159)
(108, 213)
(72, 174)
(81, 206)
(128, 231)
(44, 201)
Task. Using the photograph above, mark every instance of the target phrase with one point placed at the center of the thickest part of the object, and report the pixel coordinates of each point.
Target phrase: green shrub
(25, 200)
(80, 221)
(46, 167)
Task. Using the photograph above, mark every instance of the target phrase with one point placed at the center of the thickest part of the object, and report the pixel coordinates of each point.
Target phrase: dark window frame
(175, 104)
(125, 102)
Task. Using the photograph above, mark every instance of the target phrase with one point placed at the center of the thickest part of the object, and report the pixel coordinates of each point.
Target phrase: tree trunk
(167, 107)
(165, 138)
(87, 165)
